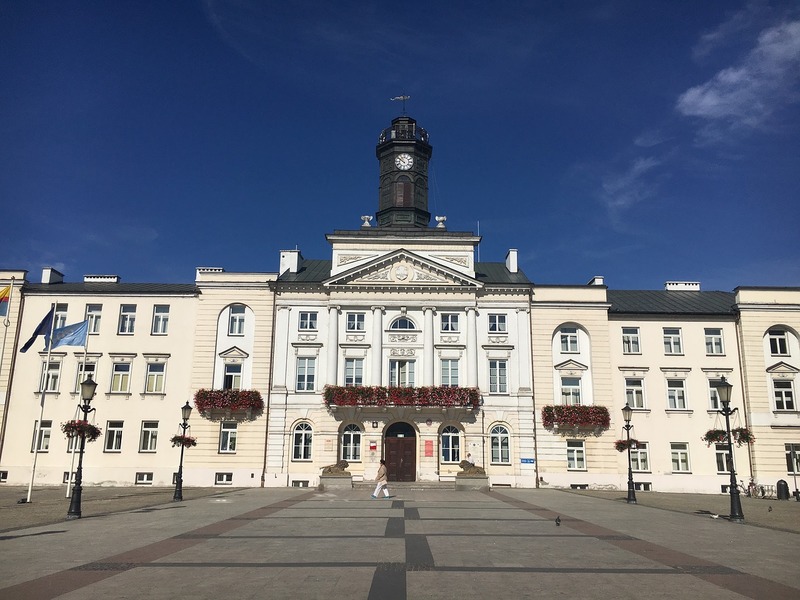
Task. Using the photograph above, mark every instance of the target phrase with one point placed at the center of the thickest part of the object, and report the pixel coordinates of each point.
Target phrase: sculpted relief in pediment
(403, 273)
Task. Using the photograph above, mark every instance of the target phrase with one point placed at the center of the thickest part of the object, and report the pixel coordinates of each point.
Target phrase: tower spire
(403, 100)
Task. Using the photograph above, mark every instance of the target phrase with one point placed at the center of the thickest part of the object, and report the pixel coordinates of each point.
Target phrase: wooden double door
(400, 445)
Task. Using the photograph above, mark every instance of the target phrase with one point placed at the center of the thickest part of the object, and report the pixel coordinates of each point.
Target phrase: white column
(377, 344)
(524, 381)
(427, 347)
(333, 345)
(282, 354)
(472, 346)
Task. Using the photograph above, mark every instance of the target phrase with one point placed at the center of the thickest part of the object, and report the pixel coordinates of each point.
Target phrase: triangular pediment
(571, 365)
(233, 352)
(402, 268)
(782, 367)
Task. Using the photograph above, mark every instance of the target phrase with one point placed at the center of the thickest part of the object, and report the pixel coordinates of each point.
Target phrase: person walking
(382, 481)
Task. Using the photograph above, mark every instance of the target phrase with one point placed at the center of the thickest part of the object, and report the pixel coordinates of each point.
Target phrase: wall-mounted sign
(428, 448)
(528, 461)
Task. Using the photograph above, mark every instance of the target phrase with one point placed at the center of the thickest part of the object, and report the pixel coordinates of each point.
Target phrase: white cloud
(747, 94)
(625, 189)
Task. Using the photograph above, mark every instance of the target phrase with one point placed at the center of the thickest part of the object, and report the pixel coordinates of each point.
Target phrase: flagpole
(41, 403)
(77, 410)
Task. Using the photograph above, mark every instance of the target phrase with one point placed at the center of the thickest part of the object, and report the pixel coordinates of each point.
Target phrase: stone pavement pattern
(291, 543)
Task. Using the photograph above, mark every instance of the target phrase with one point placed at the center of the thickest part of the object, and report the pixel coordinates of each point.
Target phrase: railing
(444, 397)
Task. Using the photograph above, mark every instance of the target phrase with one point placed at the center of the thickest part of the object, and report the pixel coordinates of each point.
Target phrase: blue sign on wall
(528, 461)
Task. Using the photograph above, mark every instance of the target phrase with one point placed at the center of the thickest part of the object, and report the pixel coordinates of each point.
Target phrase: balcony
(441, 397)
(246, 404)
(576, 420)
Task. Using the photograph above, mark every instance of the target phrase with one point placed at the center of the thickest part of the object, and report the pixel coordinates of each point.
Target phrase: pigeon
(769, 509)
(715, 516)
(558, 521)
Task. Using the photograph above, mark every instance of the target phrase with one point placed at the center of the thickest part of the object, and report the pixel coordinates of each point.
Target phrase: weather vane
(403, 99)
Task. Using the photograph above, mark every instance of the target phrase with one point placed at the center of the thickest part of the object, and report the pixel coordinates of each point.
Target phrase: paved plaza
(295, 543)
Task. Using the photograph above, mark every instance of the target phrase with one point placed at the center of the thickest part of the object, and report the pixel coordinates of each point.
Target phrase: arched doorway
(400, 443)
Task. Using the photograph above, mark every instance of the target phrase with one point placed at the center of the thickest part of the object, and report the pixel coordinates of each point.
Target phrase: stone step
(408, 485)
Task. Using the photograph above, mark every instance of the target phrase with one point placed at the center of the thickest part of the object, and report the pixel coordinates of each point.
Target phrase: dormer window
(403, 323)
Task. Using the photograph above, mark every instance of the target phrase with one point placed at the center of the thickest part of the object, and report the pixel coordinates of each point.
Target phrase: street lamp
(88, 388)
(627, 413)
(724, 392)
(186, 412)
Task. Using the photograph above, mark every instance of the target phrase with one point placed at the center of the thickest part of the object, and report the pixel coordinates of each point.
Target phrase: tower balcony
(364, 396)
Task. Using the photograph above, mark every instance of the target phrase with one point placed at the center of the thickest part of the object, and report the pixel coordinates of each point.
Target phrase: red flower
(208, 400)
(401, 396)
(576, 417)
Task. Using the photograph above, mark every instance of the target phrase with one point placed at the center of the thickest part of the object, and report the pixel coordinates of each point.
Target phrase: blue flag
(42, 329)
(70, 335)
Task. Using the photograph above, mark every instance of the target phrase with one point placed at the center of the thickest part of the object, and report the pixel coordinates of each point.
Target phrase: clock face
(404, 161)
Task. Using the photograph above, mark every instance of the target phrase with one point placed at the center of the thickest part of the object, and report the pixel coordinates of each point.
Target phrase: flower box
(443, 397)
(622, 445)
(76, 428)
(740, 435)
(576, 417)
(183, 440)
(229, 401)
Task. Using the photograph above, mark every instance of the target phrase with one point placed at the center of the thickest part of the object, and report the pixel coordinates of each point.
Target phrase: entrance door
(401, 452)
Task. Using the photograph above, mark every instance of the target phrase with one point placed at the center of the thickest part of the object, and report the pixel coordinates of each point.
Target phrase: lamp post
(627, 413)
(88, 388)
(186, 412)
(724, 392)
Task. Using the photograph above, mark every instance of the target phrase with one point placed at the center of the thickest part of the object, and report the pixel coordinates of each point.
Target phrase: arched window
(302, 442)
(501, 453)
(403, 323)
(451, 444)
(351, 443)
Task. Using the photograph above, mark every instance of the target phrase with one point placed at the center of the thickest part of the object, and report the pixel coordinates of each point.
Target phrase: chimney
(101, 278)
(50, 275)
(511, 260)
(597, 280)
(290, 261)
(682, 286)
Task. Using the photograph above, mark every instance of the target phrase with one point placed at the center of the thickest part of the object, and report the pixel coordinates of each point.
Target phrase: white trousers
(381, 484)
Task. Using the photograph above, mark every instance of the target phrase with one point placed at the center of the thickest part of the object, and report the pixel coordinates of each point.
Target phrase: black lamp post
(627, 413)
(88, 388)
(186, 412)
(724, 392)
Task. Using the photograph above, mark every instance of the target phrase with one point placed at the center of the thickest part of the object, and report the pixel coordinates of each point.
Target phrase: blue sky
(642, 141)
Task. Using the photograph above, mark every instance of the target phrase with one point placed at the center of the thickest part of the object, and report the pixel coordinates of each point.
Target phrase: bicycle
(752, 490)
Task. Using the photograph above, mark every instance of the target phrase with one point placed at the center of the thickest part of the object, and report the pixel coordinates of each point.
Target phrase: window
(73, 444)
(778, 342)
(569, 339)
(41, 442)
(223, 478)
(634, 392)
(127, 319)
(69, 477)
(149, 436)
(305, 374)
(401, 373)
(449, 372)
(84, 371)
(120, 377)
(50, 375)
(676, 394)
(160, 319)
(93, 314)
(301, 444)
(640, 458)
(784, 394)
(630, 340)
(236, 319)
(403, 323)
(308, 321)
(355, 322)
(570, 390)
(672, 340)
(576, 455)
(227, 436)
(233, 377)
(60, 316)
(498, 377)
(114, 436)
(353, 372)
(155, 378)
(451, 442)
(450, 322)
(144, 479)
(713, 396)
(351, 443)
(501, 445)
(721, 455)
(497, 323)
(714, 341)
(792, 458)
(680, 457)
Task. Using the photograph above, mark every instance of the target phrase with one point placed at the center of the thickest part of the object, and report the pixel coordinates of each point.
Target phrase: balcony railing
(444, 397)
(576, 417)
(207, 401)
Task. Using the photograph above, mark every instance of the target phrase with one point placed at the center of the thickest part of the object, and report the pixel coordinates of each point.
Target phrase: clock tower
(403, 153)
